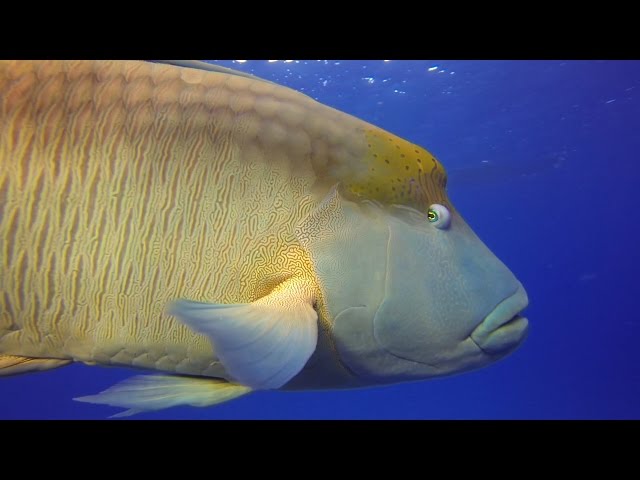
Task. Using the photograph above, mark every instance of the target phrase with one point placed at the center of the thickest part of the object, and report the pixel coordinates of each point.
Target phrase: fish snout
(504, 328)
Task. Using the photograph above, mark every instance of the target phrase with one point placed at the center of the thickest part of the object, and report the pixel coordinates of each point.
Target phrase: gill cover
(343, 238)
(347, 243)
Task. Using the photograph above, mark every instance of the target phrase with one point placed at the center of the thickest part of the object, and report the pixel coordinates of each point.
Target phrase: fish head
(410, 290)
(447, 301)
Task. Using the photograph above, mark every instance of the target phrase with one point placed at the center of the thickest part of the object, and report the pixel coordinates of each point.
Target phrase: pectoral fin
(263, 344)
(154, 392)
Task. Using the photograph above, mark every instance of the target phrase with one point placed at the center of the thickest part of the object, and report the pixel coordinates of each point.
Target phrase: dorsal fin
(209, 67)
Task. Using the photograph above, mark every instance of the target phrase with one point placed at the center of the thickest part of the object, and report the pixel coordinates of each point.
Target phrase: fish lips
(504, 328)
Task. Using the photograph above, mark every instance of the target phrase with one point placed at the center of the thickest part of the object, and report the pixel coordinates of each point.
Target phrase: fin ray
(263, 344)
(143, 393)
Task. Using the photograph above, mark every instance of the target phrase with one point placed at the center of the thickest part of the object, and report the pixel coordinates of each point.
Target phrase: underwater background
(543, 164)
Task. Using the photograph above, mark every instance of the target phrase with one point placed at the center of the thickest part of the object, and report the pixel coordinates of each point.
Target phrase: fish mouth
(503, 329)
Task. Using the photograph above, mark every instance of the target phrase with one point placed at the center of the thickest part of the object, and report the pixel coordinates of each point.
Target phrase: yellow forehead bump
(399, 172)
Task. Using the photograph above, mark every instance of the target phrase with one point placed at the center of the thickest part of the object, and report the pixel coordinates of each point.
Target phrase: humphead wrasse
(233, 234)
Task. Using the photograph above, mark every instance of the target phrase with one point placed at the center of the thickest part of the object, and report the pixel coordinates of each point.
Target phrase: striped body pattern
(119, 195)
(126, 185)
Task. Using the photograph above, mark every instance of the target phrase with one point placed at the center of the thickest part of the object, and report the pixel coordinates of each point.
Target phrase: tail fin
(13, 365)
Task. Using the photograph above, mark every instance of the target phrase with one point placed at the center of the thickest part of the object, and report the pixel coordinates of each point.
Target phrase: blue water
(543, 162)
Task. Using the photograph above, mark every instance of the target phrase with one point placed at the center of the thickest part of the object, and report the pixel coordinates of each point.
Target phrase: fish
(223, 235)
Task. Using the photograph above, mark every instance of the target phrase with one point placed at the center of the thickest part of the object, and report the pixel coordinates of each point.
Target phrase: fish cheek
(350, 248)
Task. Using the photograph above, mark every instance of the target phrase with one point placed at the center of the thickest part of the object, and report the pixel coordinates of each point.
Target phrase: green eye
(439, 216)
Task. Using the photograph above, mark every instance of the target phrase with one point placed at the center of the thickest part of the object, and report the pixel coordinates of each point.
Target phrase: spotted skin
(399, 172)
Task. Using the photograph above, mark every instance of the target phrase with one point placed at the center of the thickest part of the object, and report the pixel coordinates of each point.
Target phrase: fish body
(210, 225)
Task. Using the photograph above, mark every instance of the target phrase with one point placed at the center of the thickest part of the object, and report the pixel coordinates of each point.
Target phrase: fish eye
(439, 216)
